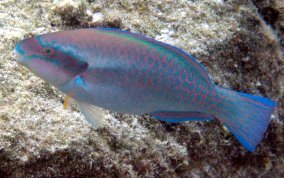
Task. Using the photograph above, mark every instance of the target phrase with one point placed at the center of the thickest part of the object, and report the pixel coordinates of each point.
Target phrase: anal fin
(175, 117)
(93, 114)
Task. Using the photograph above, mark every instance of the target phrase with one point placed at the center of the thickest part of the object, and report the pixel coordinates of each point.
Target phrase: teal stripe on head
(18, 48)
(39, 41)
(57, 47)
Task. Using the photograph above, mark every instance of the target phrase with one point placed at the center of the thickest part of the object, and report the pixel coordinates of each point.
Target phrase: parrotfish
(105, 68)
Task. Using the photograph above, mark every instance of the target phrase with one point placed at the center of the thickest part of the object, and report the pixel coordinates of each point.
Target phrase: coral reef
(272, 12)
(232, 39)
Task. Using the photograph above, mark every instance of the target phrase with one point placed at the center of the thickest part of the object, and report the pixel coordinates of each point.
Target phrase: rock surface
(230, 38)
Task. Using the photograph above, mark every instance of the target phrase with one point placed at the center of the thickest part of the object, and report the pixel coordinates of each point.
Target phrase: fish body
(129, 73)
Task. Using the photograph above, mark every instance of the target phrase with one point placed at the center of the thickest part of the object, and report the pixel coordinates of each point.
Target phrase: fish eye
(48, 51)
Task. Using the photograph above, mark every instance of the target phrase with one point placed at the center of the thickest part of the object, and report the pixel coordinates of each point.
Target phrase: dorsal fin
(187, 57)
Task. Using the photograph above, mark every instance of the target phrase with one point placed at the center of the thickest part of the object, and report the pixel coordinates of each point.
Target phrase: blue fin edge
(263, 100)
(241, 140)
(175, 120)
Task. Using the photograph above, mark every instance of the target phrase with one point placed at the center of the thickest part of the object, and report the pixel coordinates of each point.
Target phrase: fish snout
(19, 57)
(25, 48)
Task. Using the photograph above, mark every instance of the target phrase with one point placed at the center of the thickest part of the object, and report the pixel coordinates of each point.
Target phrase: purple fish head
(48, 60)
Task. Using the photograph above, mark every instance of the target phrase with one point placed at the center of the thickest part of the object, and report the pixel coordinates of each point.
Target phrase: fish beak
(19, 54)
(19, 57)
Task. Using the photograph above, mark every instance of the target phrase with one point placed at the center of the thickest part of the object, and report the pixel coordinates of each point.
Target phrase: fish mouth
(19, 53)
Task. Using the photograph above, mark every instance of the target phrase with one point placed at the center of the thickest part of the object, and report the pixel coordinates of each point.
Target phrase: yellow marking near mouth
(66, 100)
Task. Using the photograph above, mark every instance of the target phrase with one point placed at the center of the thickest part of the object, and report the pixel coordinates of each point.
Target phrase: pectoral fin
(75, 85)
(66, 102)
(93, 114)
(175, 117)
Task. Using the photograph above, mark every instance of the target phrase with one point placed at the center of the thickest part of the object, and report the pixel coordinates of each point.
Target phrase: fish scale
(129, 73)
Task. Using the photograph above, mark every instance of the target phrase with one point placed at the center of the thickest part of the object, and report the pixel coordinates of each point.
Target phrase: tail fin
(246, 116)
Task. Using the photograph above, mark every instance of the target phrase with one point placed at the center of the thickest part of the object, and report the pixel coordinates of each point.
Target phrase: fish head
(49, 60)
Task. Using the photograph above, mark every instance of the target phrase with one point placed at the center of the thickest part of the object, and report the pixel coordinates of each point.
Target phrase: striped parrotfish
(129, 73)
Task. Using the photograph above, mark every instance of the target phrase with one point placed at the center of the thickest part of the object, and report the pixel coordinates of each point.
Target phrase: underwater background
(240, 43)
